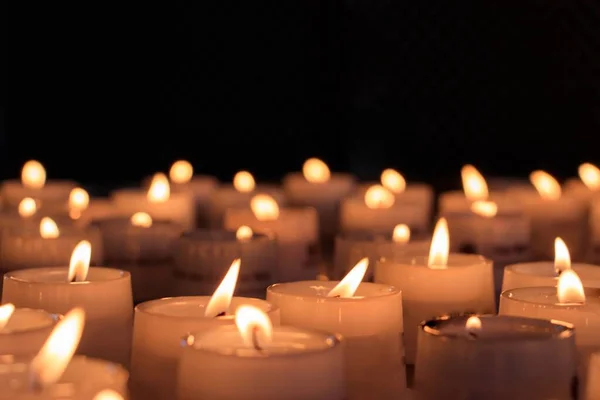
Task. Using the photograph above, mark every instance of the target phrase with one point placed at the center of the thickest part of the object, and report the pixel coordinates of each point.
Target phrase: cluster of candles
(341, 293)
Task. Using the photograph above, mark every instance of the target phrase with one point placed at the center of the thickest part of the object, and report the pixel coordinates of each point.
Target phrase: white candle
(295, 229)
(587, 186)
(98, 209)
(593, 254)
(495, 358)
(593, 380)
(437, 285)
(23, 331)
(256, 361)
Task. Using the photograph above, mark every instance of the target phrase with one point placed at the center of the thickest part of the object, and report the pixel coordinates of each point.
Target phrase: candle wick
(221, 314)
(255, 339)
(472, 335)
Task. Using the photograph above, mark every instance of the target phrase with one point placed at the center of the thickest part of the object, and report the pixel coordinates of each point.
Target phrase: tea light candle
(98, 209)
(23, 331)
(239, 195)
(295, 229)
(276, 363)
(440, 284)
(469, 357)
(104, 294)
(158, 201)
(143, 247)
(594, 241)
(33, 184)
(593, 380)
(25, 214)
(367, 315)
(587, 186)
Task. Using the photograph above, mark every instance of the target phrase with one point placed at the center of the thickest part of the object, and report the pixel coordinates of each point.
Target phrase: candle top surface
(214, 235)
(122, 221)
(547, 269)
(26, 320)
(370, 237)
(455, 260)
(319, 290)
(66, 229)
(546, 296)
(59, 275)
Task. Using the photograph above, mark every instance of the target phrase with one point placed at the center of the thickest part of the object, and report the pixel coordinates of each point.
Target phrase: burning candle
(469, 357)
(25, 214)
(593, 254)
(295, 229)
(593, 379)
(367, 315)
(108, 394)
(104, 294)
(160, 324)
(23, 330)
(439, 284)
(267, 362)
(587, 186)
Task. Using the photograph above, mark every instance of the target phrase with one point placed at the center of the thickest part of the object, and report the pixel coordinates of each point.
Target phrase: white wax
(105, 296)
(465, 286)
(298, 364)
(26, 331)
(508, 358)
(370, 322)
(574, 187)
(594, 242)
(55, 192)
(160, 327)
(544, 274)
(455, 202)
(593, 379)
(99, 209)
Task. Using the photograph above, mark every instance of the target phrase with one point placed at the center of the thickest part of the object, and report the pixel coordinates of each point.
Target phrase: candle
(593, 380)
(143, 247)
(317, 187)
(594, 242)
(104, 294)
(158, 201)
(33, 184)
(98, 209)
(587, 186)
(496, 358)
(23, 330)
(159, 326)
(367, 315)
(351, 247)
(202, 256)
(238, 196)
(256, 361)
(25, 215)
(108, 394)
(440, 284)
(295, 229)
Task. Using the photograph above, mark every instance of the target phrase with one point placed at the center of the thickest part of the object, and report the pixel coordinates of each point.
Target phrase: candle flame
(348, 286)
(487, 209)
(546, 185)
(590, 175)
(80, 262)
(316, 171)
(474, 184)
(50, 363)
(254, 326)
(141, 219)
(264, 207)
(244, 182)
(393, 180)
(6, 311)
(33, 175)
(108, 394)
(570, 289)
(562, 258)
(79, 199)
(48, 228)
(440, 246)
(181, 172)
(473, 325)
(159, 191)
(243, 233)
(221, 298)
(27, 207)
(378, 197)
(401, 234)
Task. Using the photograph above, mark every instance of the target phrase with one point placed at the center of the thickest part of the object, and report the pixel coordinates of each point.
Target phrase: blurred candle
(587, 186)
(24, 330)
(593, 379)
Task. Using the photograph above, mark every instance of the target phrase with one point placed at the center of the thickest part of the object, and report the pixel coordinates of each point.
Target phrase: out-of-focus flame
(159, 191)
(474, 184)
(546, 185)
(108, 394)
(316, 171)
(243, 233)
(570, 289)
(348, 286)
(79, 200)
(487, 209)
(401, 233)
(393, 180)
(264, 207)
(440, 246)
(378, 197)
(80, 262)
(473, 325)
(27, 207)
(141, 219)
(562, 258)
(48, 228)
(33, 175)
(590, 175)
(181, 172)
(6, 311)
(221, 298)
(254, 326)
(244, 182)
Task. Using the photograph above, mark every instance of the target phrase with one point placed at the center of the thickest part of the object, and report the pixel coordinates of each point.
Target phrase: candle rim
(13, 275)
(515, 268)
(409, 260)
(590, 292)
(144, 306)
(55, 317)
(66, 230)
(367, 237)
(394, 291)
(272, 189)
(222, 236)
(338, 176)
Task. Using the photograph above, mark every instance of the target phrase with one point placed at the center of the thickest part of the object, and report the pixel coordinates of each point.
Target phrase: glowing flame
(393, 180)
(27, 207)
(562, 258)
(221, 298)
(474, 184)
(159, 191)
(108, 394)
(79, 199)
(254, 326)
(347, 286)
(378, 197)
(48, 228)
(570, 289)
(473, 325)
(33, 175)
(590, 175)
(141, 219)
(244, 233)
(440, 246)
(50, 363)
(316, 171)
(546, 185)
(244, 182)
(264, 207)
(181, 172)
(487, 209)
(401, 233)
(6, 311)
(80, 262)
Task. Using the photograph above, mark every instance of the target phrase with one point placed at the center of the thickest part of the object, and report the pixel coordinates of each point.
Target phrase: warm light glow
(474, 184)
(562, 258)
(33, 175)
(27, 207)
(378, 197)
(244, 233)
(487, 209)
(473, 325)
(440, 246)
(590, 175)
(108, 394)
(181, 172)
(80, 262)
(264, 207)
(221, 298)
(244, 182)
(48, 228)
(546, 185)
(316, 171)
(393, 180)
(347, 286)
(570, 288)
(401, 233)
(254, 326)
(6, 311)
(159, 191)
(141, 219)
(79, 199)
(49, 364)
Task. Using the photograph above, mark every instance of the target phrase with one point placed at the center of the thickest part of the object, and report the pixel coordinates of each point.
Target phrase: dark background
(106, 93)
